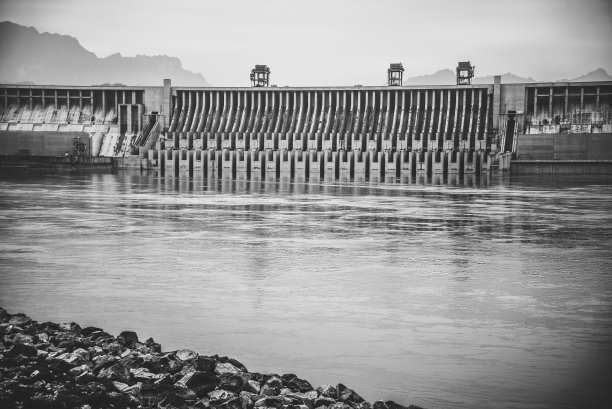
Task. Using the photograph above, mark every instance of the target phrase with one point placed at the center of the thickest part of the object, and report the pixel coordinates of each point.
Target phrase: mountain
(442, 77)
(448, 77)
(507, 78)
(43, 58)
(598, 75)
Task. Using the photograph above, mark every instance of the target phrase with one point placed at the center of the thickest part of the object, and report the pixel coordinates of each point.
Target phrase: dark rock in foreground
(61, 366)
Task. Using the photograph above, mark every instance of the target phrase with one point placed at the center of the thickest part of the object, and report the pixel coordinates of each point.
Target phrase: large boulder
(349, 396)
(116, 372)
(199, 382)
(296, 384)
(328, 391)
(127, 338)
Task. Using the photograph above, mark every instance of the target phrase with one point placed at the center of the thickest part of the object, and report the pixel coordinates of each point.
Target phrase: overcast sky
(337, 42)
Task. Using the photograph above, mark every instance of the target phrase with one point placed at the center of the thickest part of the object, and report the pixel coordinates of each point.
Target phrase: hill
(44, 58)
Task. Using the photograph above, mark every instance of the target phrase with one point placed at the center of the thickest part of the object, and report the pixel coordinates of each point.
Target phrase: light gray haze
(337, 42)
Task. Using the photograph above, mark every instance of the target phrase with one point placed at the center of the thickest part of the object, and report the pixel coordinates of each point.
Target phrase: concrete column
(265, 113)
(535, 102)
(249, 108)
(357, 115)
(195, 116)
(44, 104)
(104, 103)
(448, 104)
(411, 113)
(497, 100)
(385, 124)
(299, 96)
(273, 112)
(321, 108)
(91, 101)
(252, 113)
(432, 116)
(566, 103)
(55, 99)
(230, 113)
(550, 103)
(81, 99)
(199, 122)
(597, 99)
(400, 126)
(68, 99)
(258, 112)
(166, 100)
(478, 114)
(6, 98)
(280, 113)
(440, 111)
(209, 111)
(242, 105)
(338, 114)
(140, 115)
(188, 113)
(129, 120)
(581, 98)
(415, 128)
(463, 103)
(123, 99)
(471, 125)
(486, 123)
(394, 116)
(293, 112)
(331, 111)
(31, 100)
(456, 118)
(312, 113)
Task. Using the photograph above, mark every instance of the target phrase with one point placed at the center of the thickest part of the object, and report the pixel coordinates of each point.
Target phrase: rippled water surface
(446, 293)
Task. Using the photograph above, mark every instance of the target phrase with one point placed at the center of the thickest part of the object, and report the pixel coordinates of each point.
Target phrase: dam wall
(386, 131)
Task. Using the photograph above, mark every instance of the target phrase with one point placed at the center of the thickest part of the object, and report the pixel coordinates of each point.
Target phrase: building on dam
(391, 130)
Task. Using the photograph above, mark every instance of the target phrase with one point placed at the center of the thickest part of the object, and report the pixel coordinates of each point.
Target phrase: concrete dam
(315, 131)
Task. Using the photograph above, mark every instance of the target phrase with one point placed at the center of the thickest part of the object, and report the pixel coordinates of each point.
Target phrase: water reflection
(455, 291)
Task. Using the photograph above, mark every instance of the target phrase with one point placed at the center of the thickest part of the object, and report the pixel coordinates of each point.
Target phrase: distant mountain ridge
(43, 58)
(29, 57)
(448, 77)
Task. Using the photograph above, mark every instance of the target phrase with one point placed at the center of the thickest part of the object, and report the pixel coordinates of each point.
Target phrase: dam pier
(392, 130)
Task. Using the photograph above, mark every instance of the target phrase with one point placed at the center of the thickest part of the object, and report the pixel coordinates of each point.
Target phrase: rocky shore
(48, 365)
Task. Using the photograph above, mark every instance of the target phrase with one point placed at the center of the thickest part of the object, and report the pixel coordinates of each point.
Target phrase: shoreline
(61, 365)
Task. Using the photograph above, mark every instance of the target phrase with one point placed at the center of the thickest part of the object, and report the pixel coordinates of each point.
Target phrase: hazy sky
(337, 42)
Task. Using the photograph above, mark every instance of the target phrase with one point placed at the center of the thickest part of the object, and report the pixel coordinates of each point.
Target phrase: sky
(337, 42)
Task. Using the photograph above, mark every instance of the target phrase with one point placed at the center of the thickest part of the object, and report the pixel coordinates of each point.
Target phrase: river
(491, 292)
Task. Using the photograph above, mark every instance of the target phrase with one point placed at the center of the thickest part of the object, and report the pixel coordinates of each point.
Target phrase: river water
(442, 292)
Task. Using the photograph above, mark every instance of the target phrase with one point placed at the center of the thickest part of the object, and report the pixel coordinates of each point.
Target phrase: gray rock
(21, 349)
(270, 402)
(199, 382)
(222, 368)
(116, 372)
(20, 338)
(185, 354)
(348, 395)
(268, 390)
(323, 401)
(220, 395)
(328, 391)
(20, 320)
(128, 338)
(205, 363)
